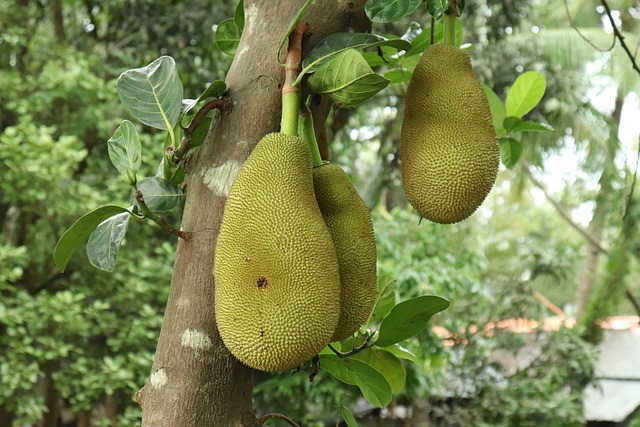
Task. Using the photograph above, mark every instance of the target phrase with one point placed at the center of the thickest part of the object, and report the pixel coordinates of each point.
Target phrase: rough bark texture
(195, 381)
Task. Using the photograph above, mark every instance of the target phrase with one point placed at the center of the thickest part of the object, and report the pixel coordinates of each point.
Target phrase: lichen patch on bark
(196, 340)
(159, 378)
(220, 178)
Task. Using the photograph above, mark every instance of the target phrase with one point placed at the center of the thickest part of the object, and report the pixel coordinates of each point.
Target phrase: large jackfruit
(276, 270)
(449, 151)
(347, 217)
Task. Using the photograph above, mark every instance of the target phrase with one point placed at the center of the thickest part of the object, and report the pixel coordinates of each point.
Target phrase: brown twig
(274, 416)
(157, 218)
(561, 211)
(293, 64)
(582, 36)
(315, 367)
(176, 154)
(619, 35)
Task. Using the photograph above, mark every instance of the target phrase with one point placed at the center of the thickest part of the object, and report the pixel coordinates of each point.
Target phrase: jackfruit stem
(309, 135)
(290, 108)
(449, 21)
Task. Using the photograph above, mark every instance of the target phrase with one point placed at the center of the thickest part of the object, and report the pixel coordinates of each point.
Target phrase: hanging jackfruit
(277, 286)
(449, 150)
(347, 217)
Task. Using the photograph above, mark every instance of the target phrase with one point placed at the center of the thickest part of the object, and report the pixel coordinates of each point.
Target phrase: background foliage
(82, 342)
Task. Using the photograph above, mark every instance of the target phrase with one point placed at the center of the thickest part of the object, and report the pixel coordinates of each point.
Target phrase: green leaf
(291, 27)
(372, 384)
(423, 40)
(80, 231)
(510, 151)
(526, 92)
(153, 93)
(386, 298)
(347, 79)
(402, 353)
(339, 42)
(201, 132)
(387, 364)
(104, 243)
(160, 195)
(498, 111)
(409, 318)
(227, 36)
(124, 148)
(436, 8)
(238, 16)
(515, 124)
(348, 417)
(216, 89)
(383, 11)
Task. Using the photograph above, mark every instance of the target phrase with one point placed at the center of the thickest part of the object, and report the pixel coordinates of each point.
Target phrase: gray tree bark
(195, 381)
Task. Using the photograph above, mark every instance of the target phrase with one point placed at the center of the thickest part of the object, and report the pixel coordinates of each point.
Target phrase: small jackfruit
(449, 149)
(347, 217)
(277, 285)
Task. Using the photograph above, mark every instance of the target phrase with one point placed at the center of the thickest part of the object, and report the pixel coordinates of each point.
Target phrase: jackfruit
(277, 284)
(448, 147)
(347, 217)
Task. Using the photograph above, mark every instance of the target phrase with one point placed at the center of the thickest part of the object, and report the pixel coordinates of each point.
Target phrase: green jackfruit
(347, 217)
(277, 284)
(448, 147)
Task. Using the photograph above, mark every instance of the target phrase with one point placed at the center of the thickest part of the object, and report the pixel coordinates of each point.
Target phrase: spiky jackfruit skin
(276, 271)
(347, 217)
(449, 149)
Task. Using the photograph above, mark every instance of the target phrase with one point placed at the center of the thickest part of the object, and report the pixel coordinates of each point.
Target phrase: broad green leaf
(409, 318)
(80, 231)
(397, 76)
(383, 11)
(514, 124)
(227, 36)
(160, 195)
(401, 352)
(372, 384)
(153, 93)
(526, 92)
(104, 243)
(498, 111)
(201, 132)
(238, 16)
(338, 42)
(387, 364)
(124, 147)
(386, 298)
(348, 417)
(216, 89)
(347, 79)
(292, 25)
(510, 151)
(436, 8)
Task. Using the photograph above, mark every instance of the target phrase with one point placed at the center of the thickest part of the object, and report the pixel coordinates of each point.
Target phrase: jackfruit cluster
(279, 273)
(449, 149)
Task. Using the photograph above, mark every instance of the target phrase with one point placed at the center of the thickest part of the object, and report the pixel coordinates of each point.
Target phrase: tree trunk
(51, 397)
(83, 419)
(6, 417)
(588, 277)
(194, 380)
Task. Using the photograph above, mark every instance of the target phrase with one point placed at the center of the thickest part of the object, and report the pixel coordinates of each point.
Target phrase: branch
(291, 93)
(619, 35)
(175, 155)
(274, 416)
(561, 212)
(633, 301)
(157, 218)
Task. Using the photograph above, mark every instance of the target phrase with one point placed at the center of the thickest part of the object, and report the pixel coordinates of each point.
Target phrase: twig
(157, 218)
(315, 367)
(633, 301)
(293, 64)
(619, 35)
(366, 344)
(561, 211)
(633, 184)
(176, 154)
(274, 416)
(582, 36)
